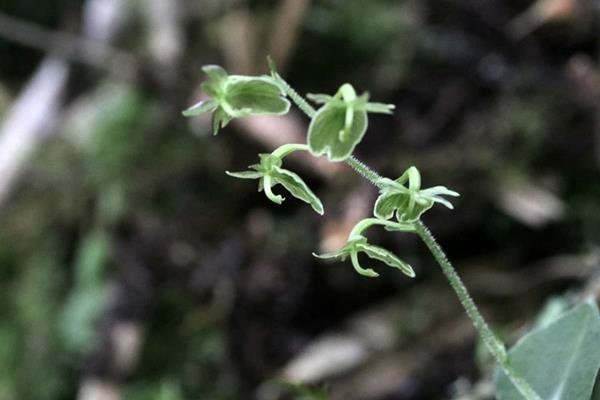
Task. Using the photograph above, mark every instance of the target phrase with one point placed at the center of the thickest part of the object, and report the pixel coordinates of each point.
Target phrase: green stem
(366, 223)
(287, 149)
(494, 345)
(366, 172)
(292, 94)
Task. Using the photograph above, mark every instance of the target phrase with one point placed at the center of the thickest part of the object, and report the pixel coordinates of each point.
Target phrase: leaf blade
(559, 361)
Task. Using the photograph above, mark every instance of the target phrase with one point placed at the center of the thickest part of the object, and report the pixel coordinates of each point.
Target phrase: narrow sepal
(387, 257)
(319, 98)
(220, 120)
(379, 108)
(298, 188)
(255, 96)
(245, 174)
(341, 255)
(202, 107)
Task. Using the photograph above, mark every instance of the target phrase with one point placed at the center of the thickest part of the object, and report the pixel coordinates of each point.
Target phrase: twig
(74, 48)
(28, 120)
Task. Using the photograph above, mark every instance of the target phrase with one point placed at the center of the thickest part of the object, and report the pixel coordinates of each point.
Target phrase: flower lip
(341, 122)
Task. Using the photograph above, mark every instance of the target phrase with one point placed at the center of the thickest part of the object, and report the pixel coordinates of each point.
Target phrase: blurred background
(132, 267)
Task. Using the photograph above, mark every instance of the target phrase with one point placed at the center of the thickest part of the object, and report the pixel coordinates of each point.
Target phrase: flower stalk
(493, 344)
(335, 129)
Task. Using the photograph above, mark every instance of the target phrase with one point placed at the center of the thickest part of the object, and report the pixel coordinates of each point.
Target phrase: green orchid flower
(340, 124)
(234, 96)
(270, 174)
(358, 244)
(408, 203)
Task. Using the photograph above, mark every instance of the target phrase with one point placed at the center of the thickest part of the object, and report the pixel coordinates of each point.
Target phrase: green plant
(336, 127)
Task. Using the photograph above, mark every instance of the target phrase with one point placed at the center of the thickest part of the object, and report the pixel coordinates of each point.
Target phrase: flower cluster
(335, 129)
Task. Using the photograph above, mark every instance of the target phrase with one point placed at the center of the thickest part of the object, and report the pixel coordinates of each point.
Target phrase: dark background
(132, 267)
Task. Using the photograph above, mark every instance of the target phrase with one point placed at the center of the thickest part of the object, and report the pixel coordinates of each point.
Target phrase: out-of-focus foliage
(124, 214)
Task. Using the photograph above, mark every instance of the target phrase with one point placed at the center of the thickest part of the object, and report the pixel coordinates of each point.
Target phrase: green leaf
(296, 186)
(596, 393)
(324, 132)
(254, 96)
(386, 256)
(203, 107)
(559, 361)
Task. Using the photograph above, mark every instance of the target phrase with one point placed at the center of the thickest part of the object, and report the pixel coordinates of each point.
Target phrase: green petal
(254, 96)
(220, 120)
(202, 107)
(245, 174)
(217, 78)
(296, 186)
(215, 72)
(385, 205)
(414, 178)
(324, 132)
(268, 184)
(368, 272)
(386, 256)
(411, 214)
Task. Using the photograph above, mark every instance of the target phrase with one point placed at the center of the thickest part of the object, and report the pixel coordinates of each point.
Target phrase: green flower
(408, 203)
(270, 174)
(358, 244)
(340, 124)
(234, 96)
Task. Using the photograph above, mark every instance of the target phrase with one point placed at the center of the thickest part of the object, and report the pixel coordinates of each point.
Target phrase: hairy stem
(365, 171)
(494, 345)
